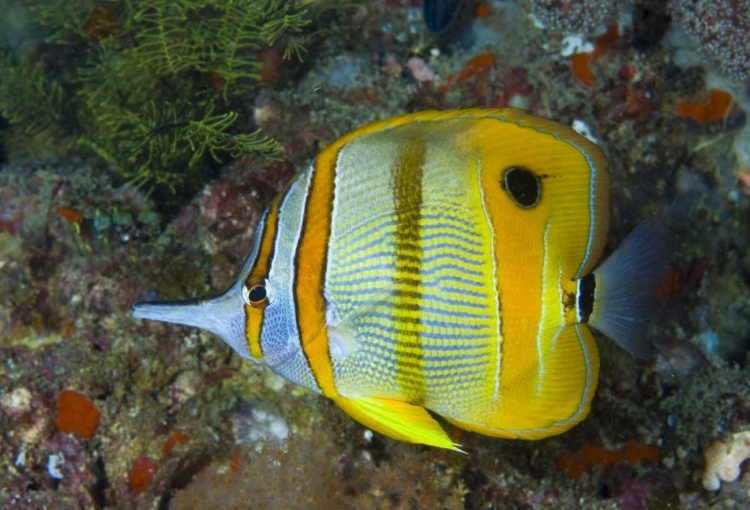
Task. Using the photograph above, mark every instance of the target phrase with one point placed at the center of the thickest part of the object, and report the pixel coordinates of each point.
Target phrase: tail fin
(626, 286)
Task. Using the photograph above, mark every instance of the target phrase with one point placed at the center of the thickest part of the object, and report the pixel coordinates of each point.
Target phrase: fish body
(441, 261)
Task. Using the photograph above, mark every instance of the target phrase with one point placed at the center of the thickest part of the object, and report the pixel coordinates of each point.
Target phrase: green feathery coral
(155, 88)
(32, 102)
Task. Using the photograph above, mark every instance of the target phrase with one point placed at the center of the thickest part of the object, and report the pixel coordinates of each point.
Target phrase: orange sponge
(575, 464)
(713, 109)
(76, 414)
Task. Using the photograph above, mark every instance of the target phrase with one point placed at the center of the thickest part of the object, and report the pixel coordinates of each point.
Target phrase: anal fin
(398, 420)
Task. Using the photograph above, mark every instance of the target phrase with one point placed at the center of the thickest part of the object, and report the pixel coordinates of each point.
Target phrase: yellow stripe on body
(260, 270)
(407, 191)
(310, 270)
(538, 251)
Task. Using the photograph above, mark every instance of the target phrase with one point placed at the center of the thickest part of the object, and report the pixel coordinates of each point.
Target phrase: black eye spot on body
(523, 186)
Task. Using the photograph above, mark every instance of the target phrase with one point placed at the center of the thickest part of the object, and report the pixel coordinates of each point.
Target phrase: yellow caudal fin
(398, 420)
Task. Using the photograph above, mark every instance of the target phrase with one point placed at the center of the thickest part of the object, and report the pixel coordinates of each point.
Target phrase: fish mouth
(212, 313)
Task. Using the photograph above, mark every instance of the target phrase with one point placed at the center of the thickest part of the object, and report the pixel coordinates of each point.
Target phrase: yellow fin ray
(397, 420)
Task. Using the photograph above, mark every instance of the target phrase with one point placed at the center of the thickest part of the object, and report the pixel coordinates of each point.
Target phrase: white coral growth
(723, 459)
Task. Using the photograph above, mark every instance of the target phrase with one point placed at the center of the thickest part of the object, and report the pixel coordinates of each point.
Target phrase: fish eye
(257, 293)
(523, 186)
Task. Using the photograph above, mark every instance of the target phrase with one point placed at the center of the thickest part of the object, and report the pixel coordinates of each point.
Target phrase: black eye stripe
(523, 186)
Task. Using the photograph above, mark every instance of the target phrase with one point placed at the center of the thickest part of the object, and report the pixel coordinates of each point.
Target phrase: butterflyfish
(445, 263)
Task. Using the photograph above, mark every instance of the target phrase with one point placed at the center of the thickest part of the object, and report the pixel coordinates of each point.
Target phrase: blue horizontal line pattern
(458, 342)
(440, 361)
(431, 238)
(442, 219)
(432, 259)
(433, 383)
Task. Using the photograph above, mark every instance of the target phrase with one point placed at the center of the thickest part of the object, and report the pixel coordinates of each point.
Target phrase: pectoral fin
(398, 420)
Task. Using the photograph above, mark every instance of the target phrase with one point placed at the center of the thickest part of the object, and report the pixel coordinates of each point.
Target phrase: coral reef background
(140, 142)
